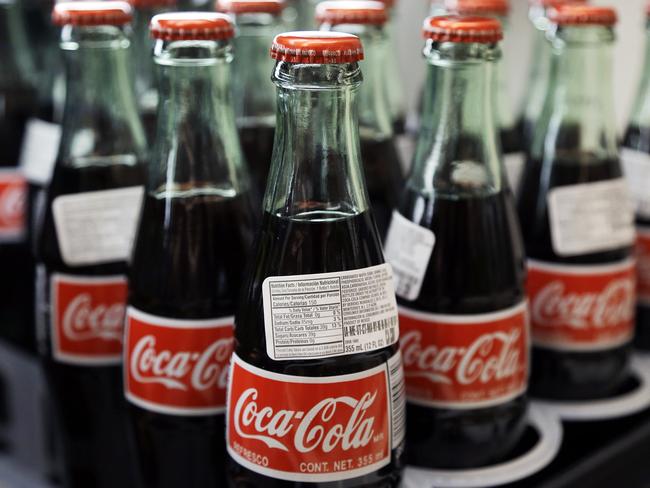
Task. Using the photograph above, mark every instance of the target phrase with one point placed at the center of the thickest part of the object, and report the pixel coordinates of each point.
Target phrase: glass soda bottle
(257, 23)
(457, 254)
(316, 383)
(540, 67)
(396, 102)
(145, 83)
(379, 154)
(577, 222)
(17, 104)
(90, 218)
(195, 231)
(635, 156)
(511, 143)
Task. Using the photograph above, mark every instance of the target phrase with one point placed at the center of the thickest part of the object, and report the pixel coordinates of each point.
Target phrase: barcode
(397, 399)
(388, 325)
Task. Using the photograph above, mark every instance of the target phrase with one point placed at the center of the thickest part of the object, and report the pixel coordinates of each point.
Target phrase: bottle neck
(100, 116)
(143, 66)
(375, 120)
(458, 152)
(196, 147)
(15, 60)
(504, 96)
(578, 116)
(538, 77)
(254, 91)
(641, 111)
(316, 169)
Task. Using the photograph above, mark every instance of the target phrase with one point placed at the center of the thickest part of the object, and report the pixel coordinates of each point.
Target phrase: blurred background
(629, 49)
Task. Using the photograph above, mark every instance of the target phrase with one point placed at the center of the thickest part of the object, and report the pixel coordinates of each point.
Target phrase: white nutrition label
(39, 151)
(408, 249)
(590, 217)
(97, 227)
(330, 314)
(636, 166)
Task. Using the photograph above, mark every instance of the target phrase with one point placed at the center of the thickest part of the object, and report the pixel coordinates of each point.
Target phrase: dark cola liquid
(384, 180)
(88, 401)
(511, 140)
(638, 138)
(187, 263)
(477, 266)
(313, 242)
(257, 144)
(562, 374)
(17, 105)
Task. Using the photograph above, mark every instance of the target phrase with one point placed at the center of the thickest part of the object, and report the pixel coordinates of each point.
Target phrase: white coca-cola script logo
(12, 204)
(482, 361)
(318, 428)
(208, 368)
(614, 305)
(82, 322)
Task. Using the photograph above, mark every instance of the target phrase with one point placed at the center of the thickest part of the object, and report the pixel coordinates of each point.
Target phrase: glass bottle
(393, 76)
(194, 235)
(576, 219)
(257, 24)
(635, 156)
(90, 216)
(379, 155)
(317, 320)
(456, 250)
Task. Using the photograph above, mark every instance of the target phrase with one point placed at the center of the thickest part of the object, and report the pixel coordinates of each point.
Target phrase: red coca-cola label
(177, 366)
(643, 265)
(312, 429)
(13, 198)
(464, 361)
(88, 318)
(576, 307)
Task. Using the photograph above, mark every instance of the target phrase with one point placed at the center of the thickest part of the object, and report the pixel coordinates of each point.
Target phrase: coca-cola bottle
(258, 23)
(91, 212)
(145, 84)
(511, 142)
(191, 246)
(17, 104)
(540, 67)
(456, 250)
(316, 383)
(379, 154)
(576, 219)
(635, 156)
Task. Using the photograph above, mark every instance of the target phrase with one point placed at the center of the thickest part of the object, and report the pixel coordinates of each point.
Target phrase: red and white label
(464, 361)
(581, 307)
(315, 429)
(643, 264)
(13, 202)
(87, 318)
(177, 367)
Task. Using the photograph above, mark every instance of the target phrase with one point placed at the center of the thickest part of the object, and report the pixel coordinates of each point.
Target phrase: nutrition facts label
(330, 314)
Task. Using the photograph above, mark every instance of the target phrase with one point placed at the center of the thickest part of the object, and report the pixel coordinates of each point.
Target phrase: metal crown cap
(273, 7)
(91, 13)
(582, 14)
(459, 28)
(351, 12)
(313, 47)
(179, 26)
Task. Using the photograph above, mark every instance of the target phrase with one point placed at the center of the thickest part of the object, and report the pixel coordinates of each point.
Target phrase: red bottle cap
(91, 13)
(139, 4)
(478, 7)
(312, 47)
(179, 26)
(553, 3)
(458, 28)
(273, 7)
(571, 14)
(351, 12)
